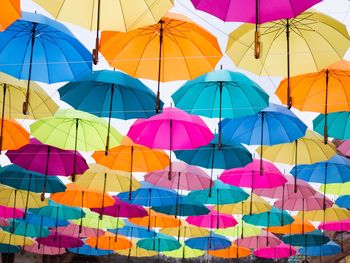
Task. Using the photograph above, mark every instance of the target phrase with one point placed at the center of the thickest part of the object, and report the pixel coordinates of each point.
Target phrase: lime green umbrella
(75, 130)
(184, 252)
(241, 230)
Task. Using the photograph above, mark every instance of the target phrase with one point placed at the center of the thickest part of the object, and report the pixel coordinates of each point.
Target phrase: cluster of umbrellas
(172, 186)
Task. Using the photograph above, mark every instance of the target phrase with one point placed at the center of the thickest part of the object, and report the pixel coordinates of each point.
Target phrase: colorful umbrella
(183, 207)
(90, 251)
(9, 212)
(232, 251)
(280, 251)
(44, 250)
(9, 248)
(211, 242)
(241, 230)
(174, 44)
(333, 213)
(159, 243)
(212, 220)
(297, 227)
(343, 147)
(316, 202)
(132, 231)
(185, 231)
(260, 241)
(41, 49)
(137, 252)
(60, 241)
(336, 189)
(44, 221)
(10, 12)
(343, 201)
(100, 15)
(14, 240)
(155, 219)
(274, 217)
(109, 242)
(333, 124)
(328, 249)
(314, 238)
(79, 231)
(22, 228)
(60, 212)
(13, 135)
(184, 252)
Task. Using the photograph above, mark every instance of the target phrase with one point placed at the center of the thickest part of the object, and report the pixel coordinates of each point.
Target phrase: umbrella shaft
(159, 65)
(2, 115)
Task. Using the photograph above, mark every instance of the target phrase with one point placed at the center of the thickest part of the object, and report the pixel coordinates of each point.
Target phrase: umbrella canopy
(211, 242)
(90, 251)
(334, 124)
(316, 202)
(328, 249)
(44, 221)
(274, 217)
(44, 250)
(212, 220)
(109, 242)
(21, 228)
(280, 251)
(314, 238)
(10, 12)
(159, 243)
(232, 251)
(333, 213)
(184, 207)
(336, 189)
(13, 93)
(137, 252)
(47, 160)
(14, 136)
(241, 230)
(14, 240)
(61, 212)
(133, 231)
(60, 241)
(79, 231)
(155, 219)
(343, 225)
(221, 94)
(184, 252)
(183, 177)
(297, 227)
(260, 241)
(9, 212)
(344, 148)
(185, 231)
(9, 248)
(343, 201)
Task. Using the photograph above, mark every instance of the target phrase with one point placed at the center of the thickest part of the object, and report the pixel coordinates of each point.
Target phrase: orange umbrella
(173, 49)
(297, 227)
(155, 219)
(109, 242)
(232, 251)
(324, 91)
(10, 11)
(14, 136)
(131, 157)
(74, 196)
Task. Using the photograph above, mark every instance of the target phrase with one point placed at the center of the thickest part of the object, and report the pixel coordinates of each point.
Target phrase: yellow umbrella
(336, 189)
(41, 105)
(255, 203)
(333, 213)
(15, 240)
(186, 231)
(137, 252)
(120, 15)
(184, 252)
(306, 43)
(241, 230)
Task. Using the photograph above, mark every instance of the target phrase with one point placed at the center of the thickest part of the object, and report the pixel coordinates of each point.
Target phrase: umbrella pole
(75, 149)
(131, 166)
(81, 218)
(282, 217)
(2, 115)
(95, 50)
(57, 209)
(24, 238)
(261, 142)
(220, 116)
(109, 120)
(117, 226)
(170, 147)
(218, 208)
(302, 217)
(251, 195)
(27, 198)
(103, 197)
(26, 102)
(267, 232)
(97, 233)
(242, 228)
(129, 253)
(212, 168)
(289, 100)
(325, 128)
(296, 167)
(177, 195)
(41, 226)
(149, 209)
(42, 197)
(257, 42)
(14, 212)
(161, 22)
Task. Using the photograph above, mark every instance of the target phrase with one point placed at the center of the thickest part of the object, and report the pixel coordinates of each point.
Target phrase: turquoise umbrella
(314, 238)
(328, 249)
(274, 217)
(21, 228)
(338, 124)
(9, 248)
(184, 207)
(159, 243)
(58, 211)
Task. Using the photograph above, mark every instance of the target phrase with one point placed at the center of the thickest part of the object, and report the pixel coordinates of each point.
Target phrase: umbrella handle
(257, 45)
(131, 168)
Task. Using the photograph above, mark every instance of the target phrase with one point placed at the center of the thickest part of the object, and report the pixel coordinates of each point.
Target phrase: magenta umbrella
(10, 212)
(212, 220)
(183, 177)
(280, 251)
(173, 129)
(261, 241)
(59, 240)
(48, 160)
(122, 209)
(339, 226)
(44, 250)
(73, 230)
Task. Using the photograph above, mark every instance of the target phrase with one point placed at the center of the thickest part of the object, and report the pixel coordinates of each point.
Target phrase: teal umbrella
(338, 124)
(9, 248)
(21, 228)
(159, 243)
(274, 217)
(184, 207)
(58, 211)
(314, 238)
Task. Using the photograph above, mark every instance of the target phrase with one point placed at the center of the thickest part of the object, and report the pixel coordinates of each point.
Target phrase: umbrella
(4, 222)
(336, 189)
(212, 220)
(60, 241)
(13, 135)
(159, 243)
(333, 213)
(333, 124)
(343, 225)
(137, 252)
(22, 228)
(288, 42)
(260, 241)
(280, 251)
(210, 156)
(60, 212)
(90, 251)
(68, 127)
(10, 12)
(174, 44)
(155, 219)
(99, 91)
(41, 49)
(173, 129)
(314, 238)
(328, 249)
(184, 207)
(44, 221)
(316, 202)
(133, 231)
(44, 250)
(13, 93)
(211, 242)
(306, 150)
(185, 231)
(109, 242)
(121, 209)
(241, 230)
(274, 217)
(232, 251)
(9, 248)
(343, 147)
(343, 201)
(74, 196)
(184, 252)
(9, 212)
(183, 177)
(297, 227)
(221, 94)
(85, 232)
(14, 240)
(103, 15)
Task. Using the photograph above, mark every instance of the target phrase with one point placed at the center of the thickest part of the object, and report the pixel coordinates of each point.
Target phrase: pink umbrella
(44, 250)
(212, 220)
(280, 251)
(183, 177)
(4, 222)
(9, 212)
(261, 241)
(344, 147)
(339, 226)
(73, 230)
(60, 241)
(122, 209)
(301, 204)
(173, 129)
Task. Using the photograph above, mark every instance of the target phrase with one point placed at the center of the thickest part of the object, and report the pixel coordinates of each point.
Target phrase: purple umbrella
(122, 209)
(47, 160)
(59, 241)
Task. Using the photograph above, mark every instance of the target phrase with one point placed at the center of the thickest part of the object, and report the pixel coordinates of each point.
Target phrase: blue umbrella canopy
(314, 238)
(159, 243)
(112, 94)
(221, 93)
(131, 230)
(44, 221)
(90, 251)
(343, 201)
(328, 249)
(4, 248)
(274, 217)
(211, 242)
(21, 228)
(61, 212)
(272, 125)
(338, 125)
(22, 179)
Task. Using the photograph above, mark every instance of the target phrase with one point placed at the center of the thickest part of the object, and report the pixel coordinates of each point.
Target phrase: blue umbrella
(131, 230)
(4, 248)
(314, 238)
(211, 242)
(343, 201)
(328, 249)
(41, 49)
(90, 251)
(185, 207)
(44, 221)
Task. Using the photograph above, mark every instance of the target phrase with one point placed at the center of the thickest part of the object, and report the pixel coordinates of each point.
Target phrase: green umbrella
(241, 230)
(75, 130)
(184, 252)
